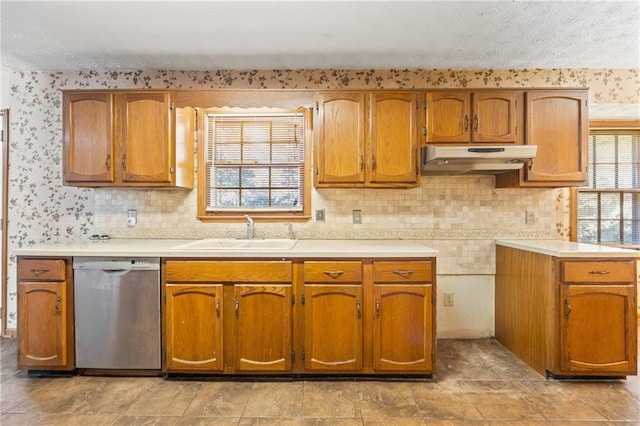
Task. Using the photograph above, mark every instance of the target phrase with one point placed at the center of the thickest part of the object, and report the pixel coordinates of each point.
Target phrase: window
(608, 209)
(254, 162)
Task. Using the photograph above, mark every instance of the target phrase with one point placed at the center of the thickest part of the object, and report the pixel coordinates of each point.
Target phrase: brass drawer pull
(599, 272)
(333, 274)
(406, 273)
(38, 271)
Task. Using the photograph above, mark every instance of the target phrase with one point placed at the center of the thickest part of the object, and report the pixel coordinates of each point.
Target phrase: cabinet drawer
(599, 272)
(233, 272)
(402, 272)
(332, 272)
(41, 269)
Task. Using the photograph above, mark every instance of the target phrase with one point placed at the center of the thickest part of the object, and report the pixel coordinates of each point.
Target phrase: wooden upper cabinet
(474, 117)
(148, 139)
(127, 138)
(88, 133)
(341, 137)
(448, 117)
(557, 123)
(367, 139)
(496, 117)
(393, 138)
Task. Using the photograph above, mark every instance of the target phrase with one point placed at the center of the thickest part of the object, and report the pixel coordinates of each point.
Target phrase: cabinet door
(598, 329)
(402, 328)
(147, 150)
(194, 339)
(88, 137)
(341, 138)
(495, 117)
(42, 324)
(394, 138)
(263, 330)
(557, 123)
(448, 117)
(333, 327)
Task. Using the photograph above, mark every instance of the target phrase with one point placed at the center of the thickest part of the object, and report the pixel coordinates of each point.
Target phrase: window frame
(614, 125)
(261, 215)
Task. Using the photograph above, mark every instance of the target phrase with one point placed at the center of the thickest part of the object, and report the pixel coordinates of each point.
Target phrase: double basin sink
(238, 244)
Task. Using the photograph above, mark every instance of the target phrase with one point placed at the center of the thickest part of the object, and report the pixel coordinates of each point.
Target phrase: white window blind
(609, 207)
(254, 162)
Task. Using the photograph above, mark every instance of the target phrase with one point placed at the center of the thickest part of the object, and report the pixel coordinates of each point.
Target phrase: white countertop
(165, 248)
(561, 248)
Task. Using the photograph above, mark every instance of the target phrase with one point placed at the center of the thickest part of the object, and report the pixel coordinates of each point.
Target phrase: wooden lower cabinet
(333, 328)
(263, 328)
(567, 317)
(194, 318)
(299, 316)
(402, 328)
(45, 314)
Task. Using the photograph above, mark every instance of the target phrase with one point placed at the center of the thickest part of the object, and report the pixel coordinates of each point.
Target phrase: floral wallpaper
(459, 216)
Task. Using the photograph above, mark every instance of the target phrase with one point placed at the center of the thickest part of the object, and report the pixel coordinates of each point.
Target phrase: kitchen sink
(238, 244)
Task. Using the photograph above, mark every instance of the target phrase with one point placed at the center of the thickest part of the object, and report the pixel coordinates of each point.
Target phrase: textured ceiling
(205, 35)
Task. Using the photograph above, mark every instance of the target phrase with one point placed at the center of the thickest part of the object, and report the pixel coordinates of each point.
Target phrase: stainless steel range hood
(468, 160)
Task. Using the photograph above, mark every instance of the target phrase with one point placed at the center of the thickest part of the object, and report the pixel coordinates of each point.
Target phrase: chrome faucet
(250, 227)
(292, 235)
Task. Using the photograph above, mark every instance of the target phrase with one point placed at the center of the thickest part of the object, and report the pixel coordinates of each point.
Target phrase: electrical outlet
(320, 215)
(357, 217)
(529, 217)
(448, 299)
(132, 218)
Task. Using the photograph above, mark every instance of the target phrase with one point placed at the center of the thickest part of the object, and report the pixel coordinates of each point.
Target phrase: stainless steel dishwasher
(117, 313)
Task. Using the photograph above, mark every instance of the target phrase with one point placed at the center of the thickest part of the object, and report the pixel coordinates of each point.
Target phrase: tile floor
(479, 382)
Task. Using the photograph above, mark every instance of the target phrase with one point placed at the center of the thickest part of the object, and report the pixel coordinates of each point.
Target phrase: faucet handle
(292, 235)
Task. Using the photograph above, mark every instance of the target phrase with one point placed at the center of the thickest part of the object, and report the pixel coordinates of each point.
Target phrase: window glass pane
(610, 205)
(227, 197)
(610, 231)
(256, 153)
(587, 231)
(226, 177)
(285, 197)
(285, 177)
(255, 177)
(588, 205)
(255, 198)
(605, 150)
(605, 176)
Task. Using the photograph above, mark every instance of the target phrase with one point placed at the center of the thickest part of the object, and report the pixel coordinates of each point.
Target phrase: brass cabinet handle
(124, 161)
(599, 272)
(58, 312)
(38, 271)
(476, 122)
(107, 162)
(466, 123)
(358, 314)
(373, 163)
(237, 308)
(361, 162)
(377, 308)
(218, 308)
(403, 272)
(567, 308)
(333, 274)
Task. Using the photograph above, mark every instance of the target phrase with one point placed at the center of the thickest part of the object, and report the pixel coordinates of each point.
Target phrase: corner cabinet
(567, 316)
(126, 138)
(557, 123)
(45, 314)
(461, 117)
(367, 139)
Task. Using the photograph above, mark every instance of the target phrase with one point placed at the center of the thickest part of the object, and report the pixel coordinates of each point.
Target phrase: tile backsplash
(460, 216)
